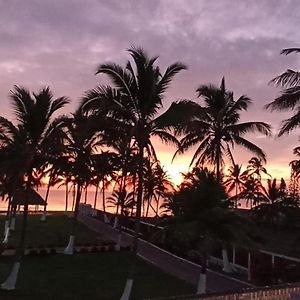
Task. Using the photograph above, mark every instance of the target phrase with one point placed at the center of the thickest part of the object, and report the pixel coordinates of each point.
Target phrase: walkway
(166, 261)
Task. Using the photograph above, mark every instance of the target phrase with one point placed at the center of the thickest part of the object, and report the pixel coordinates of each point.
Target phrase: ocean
(57, 202)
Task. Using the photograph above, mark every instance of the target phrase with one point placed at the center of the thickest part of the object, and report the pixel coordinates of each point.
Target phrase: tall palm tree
(135, 99)
(215, 127)
(27, 145)
(82, 136)
(290, 96)
(104, 166)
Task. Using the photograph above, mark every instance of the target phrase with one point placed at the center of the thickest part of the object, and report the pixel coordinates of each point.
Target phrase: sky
(60, 43)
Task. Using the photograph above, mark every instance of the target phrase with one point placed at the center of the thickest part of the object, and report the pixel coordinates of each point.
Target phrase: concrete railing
(286, 292)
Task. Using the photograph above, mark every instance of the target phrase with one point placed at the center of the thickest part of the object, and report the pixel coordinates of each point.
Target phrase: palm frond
(166, 79)
(58, 104)
(249, 146)
(289, 99)
(288, 51)
(243, 128)
(289, 78)
(22, 103)
(178, 116)
(290, 124)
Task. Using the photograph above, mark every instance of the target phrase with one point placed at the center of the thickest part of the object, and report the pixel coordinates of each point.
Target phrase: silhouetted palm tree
(255, 168)
(135, 99)
(82, 137)
(253, 192)
(201, 217)
(123, 199)
(215, 127)
(27, 145)
(157, 186)
(235, 181)
(290, 96)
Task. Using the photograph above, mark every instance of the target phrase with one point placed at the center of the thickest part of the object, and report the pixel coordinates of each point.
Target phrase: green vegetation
(87, 276)
(55, 232)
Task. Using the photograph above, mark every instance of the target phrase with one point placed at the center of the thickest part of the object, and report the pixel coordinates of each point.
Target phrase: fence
(286, 292)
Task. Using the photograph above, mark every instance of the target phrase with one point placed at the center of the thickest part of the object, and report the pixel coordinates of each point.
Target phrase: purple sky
(60, 43)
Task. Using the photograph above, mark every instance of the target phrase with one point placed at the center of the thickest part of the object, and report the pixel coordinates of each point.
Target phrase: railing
(241, 259)
(283, 292)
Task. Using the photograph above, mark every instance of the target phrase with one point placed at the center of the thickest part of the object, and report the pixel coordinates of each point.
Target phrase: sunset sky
(60, 43)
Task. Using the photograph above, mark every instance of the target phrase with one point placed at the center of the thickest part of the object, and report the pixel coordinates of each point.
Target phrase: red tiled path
(183, 269)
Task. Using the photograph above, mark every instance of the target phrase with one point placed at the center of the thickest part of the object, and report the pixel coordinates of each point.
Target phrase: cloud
(60, 43)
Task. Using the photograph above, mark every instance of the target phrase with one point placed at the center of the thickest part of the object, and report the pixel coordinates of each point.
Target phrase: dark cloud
(60, 43)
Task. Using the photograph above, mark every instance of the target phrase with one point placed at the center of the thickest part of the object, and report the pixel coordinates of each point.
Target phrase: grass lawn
(88, 276)
(54, 232)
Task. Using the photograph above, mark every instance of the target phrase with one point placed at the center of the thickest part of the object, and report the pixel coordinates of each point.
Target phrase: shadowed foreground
(87, 276)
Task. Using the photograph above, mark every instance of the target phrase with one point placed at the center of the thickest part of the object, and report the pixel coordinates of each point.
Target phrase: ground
(88, 276)
(82, 276)
(54, 232)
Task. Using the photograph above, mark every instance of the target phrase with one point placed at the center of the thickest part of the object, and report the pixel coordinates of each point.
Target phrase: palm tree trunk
(8, 213)
(69, 250)
(74, 197)
(85, 194)
(67, 197)
(43, 217)
(96, 196)
(103, 195)
(130, 279)
(10, 282)
(94, 214)
(157, 207)
(148, 206)
(201, 286)
(218, 163)
(236, 193)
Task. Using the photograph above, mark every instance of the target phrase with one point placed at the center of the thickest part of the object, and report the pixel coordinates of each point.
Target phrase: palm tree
(202, 218)
(121, 199)
(134, 100)
(255, 168)
(26, 145)
(280, 205)
(82, 136)
(157, 186)
(253, 192)
(290, 96)
(235, 181)
(216, 127)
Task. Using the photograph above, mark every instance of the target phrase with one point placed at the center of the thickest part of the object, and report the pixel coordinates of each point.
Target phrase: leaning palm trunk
(43, 217)
(130, 279)
(157, 207)
(95, 201)
(106, 220)
(69, 250)
(103, 196)
(10, 282)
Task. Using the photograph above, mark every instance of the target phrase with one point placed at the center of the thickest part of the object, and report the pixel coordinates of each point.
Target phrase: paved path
(166, 261)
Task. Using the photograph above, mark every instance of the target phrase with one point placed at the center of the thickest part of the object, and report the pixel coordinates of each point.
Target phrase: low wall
(287, 292)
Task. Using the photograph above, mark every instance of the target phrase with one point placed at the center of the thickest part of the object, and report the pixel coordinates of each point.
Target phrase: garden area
(85, 275)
